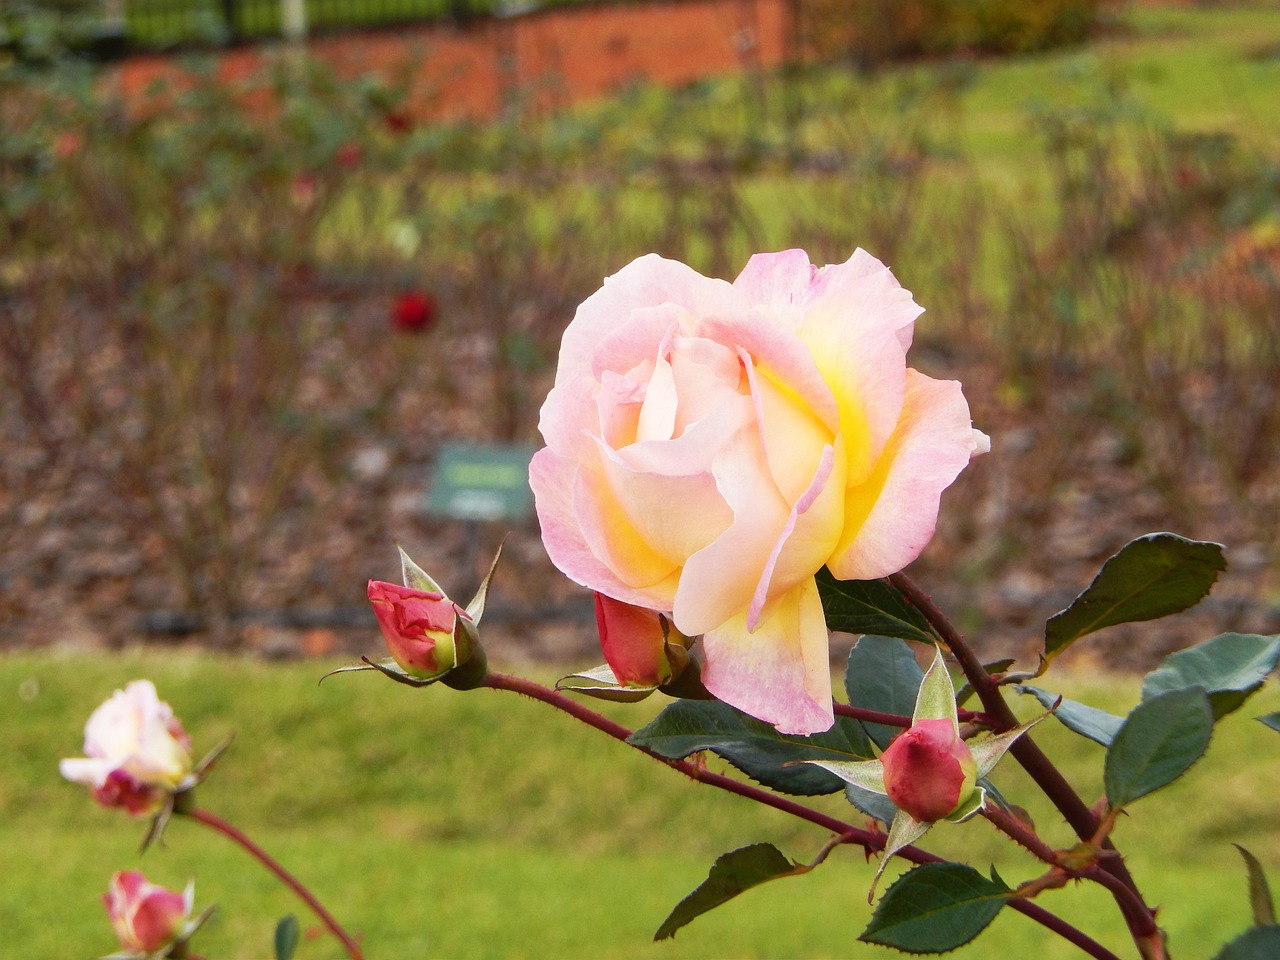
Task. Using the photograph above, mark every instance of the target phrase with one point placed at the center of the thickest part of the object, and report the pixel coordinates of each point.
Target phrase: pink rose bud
(929, 770)
(136, 752)
(633, 641)
(422, 628)
(146, 917)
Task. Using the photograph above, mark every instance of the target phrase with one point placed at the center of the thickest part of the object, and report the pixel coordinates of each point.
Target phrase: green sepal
(866, 774)
(475, 609)
(1271, 720)
(936, 699)
(988, 751)
(391, 669)
(969, 806)
(469, 675)
(903, 831)
(415, 577)
(601, 683)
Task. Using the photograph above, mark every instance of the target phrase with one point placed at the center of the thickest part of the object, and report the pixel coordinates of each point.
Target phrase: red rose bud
(146, 917)
(423, 630)
(413, 312)
(929, 770)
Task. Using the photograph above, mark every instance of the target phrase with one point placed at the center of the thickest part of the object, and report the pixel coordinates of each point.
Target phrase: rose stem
(870, 840)
(1041, 769)
(289, 880)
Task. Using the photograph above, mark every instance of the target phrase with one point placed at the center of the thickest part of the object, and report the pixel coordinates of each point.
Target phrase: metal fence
(157, 24)
(109, 28)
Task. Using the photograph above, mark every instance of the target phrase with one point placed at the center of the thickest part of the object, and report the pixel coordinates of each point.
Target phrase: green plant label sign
(482, 483)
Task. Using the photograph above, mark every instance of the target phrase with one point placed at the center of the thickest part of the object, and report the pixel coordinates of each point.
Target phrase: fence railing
(110, 28)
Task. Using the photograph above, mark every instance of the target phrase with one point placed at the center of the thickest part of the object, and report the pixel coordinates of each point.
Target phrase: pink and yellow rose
(712, 445)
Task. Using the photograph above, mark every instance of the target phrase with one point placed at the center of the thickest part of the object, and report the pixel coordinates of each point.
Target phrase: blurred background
(262, 262)
(250, 287)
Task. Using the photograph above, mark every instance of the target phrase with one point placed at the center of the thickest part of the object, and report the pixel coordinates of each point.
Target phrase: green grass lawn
(442, 824)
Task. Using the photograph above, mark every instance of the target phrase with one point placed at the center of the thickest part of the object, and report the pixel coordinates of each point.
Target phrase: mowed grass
(476, 825)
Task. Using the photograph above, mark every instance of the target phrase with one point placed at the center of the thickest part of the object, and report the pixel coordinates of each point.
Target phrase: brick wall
(558, 56)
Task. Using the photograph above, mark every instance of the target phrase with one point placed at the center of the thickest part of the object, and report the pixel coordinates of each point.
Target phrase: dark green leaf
(882, 674)
(286, 937)
(754, 747)
(875, 805)
(1157, 743)
(1258, 943)
(870, 606)
(936, 907)
(730, 875)
(1230, 668)
(1272, 720)
(1263, 907)
(1098, 725)
(1151, 577)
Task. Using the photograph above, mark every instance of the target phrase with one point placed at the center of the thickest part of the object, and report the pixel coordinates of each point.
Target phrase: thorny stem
(897, 719)
(871, 840)
(288, 879)
(1139, 917)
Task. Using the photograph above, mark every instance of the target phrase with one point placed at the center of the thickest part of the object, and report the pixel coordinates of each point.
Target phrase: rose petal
(891, 516)
(780, 672)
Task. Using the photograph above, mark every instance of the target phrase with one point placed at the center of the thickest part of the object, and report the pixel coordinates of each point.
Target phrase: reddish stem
(868, 839)
(897, 719)
(288, 879)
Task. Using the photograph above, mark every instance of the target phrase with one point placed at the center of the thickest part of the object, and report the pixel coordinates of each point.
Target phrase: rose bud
(147, 918)
(425, 630)
(136, 752)
(413, 312)
(929, 770)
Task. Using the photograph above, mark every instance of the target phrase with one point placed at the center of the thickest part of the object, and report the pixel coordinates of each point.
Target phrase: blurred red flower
(413, 312)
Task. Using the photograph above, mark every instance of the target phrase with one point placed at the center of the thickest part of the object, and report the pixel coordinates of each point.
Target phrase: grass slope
(440, 824)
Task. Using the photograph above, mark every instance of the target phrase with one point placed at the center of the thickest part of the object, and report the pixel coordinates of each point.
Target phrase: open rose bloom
(136, 752)
(712, 445)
